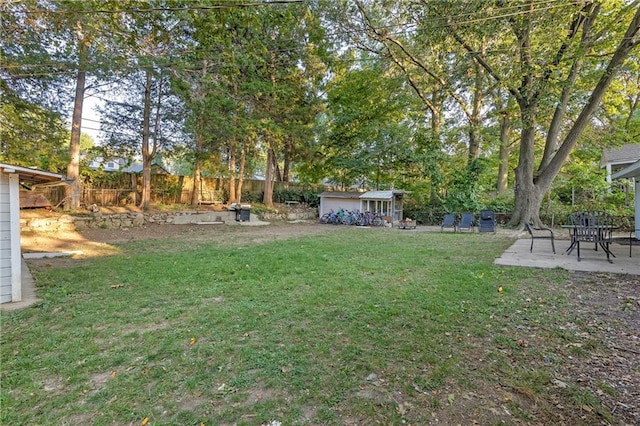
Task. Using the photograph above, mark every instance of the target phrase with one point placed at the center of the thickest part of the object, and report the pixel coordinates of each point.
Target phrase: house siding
(5, 240)
(335, 204)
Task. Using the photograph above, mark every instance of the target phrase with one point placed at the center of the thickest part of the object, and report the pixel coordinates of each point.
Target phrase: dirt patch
(607, 309)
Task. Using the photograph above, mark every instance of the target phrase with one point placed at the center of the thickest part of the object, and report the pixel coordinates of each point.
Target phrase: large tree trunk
(527, 195)
(73, 191)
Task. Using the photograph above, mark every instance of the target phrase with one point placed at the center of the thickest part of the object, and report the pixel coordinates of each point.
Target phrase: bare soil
(605, 307)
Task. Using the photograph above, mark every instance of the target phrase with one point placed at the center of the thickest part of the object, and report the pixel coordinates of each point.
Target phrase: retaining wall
(127, 220)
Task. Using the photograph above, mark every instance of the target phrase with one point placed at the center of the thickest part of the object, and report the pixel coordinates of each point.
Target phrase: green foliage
(500, 203)
(463, 193)
(31, 135)
(252, 197)
(308, 197)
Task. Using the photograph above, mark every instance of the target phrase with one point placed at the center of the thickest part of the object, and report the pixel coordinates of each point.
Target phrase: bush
(308, 197)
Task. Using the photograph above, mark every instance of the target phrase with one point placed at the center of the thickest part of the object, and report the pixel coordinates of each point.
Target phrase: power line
(163, 9)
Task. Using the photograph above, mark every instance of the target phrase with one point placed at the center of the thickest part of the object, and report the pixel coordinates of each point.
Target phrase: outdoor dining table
(601, 230)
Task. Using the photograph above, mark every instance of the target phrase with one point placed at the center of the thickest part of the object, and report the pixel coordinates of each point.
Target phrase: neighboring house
(112, 165)
(120, 165)
(616, 159)
(136, 168)
(388, 203)
(633, 171)
(10, 255)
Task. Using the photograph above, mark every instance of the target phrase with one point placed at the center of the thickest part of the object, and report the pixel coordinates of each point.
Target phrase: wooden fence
(166, 189)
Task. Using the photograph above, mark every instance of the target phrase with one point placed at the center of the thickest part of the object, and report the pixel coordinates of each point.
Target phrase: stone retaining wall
(127, 220)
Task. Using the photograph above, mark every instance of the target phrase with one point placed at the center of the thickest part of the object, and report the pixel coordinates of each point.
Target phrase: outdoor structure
(388, 203)
(11, 177)
(616, 159)
(633, 172)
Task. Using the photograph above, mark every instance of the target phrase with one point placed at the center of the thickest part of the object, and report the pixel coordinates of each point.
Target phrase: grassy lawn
(349, 327)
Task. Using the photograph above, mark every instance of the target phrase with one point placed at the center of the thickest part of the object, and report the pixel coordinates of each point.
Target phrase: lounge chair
(466, 222)
(487, 221)
(539, 233)
(449, 221)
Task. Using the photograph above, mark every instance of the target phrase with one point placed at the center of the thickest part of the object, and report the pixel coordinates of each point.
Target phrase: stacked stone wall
(54, 223)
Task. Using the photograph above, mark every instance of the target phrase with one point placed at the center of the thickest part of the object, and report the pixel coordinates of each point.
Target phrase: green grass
(355, 325)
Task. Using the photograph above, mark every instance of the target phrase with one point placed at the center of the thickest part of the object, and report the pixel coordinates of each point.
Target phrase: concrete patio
(590, 260)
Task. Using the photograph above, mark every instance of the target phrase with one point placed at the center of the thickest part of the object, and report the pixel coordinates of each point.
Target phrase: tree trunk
(268, 180)
(286, 165)
(527, 196)
(505, 151)
(197, 181)
(475, 120)
(134, 188)
(233, 198)
(73, 191)
(197, 167)
(243, 158)
(146, 158)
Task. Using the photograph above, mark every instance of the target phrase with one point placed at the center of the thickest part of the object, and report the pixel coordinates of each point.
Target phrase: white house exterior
(10, 254)
(633, 171)
(616, 159)
(388, 203)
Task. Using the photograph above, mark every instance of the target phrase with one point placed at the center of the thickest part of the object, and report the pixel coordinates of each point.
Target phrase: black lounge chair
(449, 221)
(466, 222)
(487, 221)
(539, 233)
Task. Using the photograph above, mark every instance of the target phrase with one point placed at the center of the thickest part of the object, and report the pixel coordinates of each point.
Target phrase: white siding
(5, 241)
(336, 204)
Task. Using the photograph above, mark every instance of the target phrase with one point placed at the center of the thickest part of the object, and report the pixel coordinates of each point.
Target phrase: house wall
(5, 240)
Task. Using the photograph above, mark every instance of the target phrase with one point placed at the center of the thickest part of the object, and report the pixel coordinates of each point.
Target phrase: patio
(591, 261)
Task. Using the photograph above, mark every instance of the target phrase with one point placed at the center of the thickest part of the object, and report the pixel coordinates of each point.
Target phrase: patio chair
(540, 233)
(594, 227)
(487, 221)
(449, 221)
(466, 222)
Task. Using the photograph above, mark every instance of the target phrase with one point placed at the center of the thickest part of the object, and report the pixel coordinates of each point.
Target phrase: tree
(367, 133)
(553, 62)
(53, 43)
(30, 135)
(246, 82)
(556, 60)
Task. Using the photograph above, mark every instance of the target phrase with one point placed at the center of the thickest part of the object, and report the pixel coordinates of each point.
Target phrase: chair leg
(553, 246)
(578, 246)
(531, 249)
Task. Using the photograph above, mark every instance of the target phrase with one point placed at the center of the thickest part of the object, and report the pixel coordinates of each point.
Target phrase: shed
(336, 200)
(388, 203)
(633, 171)
(10, 256)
